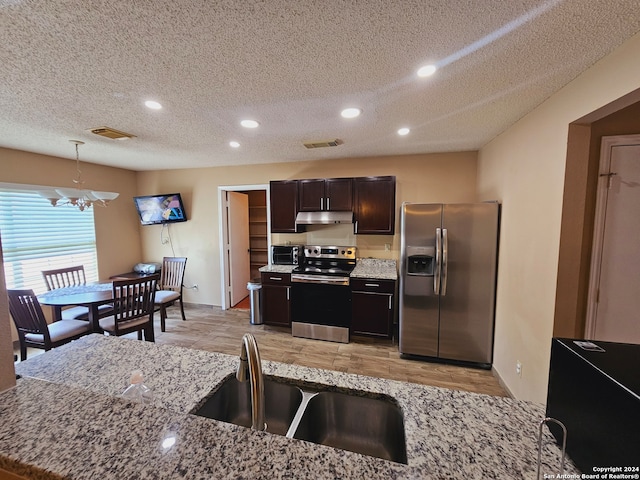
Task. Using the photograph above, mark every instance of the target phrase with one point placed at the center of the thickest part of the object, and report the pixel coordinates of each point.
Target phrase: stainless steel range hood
(323, 218)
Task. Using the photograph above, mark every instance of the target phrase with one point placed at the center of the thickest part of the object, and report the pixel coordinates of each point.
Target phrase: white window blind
(37, 236)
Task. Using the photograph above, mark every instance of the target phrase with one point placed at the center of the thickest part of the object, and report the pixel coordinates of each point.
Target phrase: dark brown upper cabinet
(284, 205)
(375, 205)
(325, 194)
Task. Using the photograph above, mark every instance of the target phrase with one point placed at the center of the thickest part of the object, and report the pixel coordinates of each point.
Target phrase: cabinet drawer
(281, 279)
(372, 285)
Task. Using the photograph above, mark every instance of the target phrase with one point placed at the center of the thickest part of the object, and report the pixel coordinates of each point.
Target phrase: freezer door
(469, 280)
(419, 305)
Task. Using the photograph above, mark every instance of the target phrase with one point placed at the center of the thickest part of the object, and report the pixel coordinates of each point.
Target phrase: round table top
(78, 295)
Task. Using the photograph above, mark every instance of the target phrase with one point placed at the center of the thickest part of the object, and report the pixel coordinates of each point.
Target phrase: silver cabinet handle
(390, 297)
(356, 227)
(321, 203)
(275, 278)
(445, 258)
(436, 273)
(371, 284)
(328, 204)
(288, 289)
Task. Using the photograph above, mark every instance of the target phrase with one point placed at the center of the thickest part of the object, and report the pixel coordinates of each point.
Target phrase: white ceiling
(68, 66)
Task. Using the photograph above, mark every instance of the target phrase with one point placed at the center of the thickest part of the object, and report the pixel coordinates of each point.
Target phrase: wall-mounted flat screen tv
(157, 209)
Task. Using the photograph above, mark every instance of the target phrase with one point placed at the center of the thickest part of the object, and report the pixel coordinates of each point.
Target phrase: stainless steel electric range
(321, 295)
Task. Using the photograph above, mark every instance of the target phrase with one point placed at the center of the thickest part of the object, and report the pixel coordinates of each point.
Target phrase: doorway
(614, 283)
(244, 239)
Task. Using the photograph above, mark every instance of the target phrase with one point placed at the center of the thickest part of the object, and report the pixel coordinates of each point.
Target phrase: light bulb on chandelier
(78, 197)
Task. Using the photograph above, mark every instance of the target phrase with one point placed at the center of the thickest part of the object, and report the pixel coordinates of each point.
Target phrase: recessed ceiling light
(351, 112)
(427, 70)
(404, 131)
(153, 105)
(249, 123)
(234, 144)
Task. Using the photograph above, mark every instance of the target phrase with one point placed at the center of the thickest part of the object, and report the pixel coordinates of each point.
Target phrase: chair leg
(182, 308)
(23, 352)
(149, 335)
(139, 334)
(163, 316)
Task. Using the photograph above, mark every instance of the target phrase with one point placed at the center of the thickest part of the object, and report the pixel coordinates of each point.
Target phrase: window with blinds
(37, 236)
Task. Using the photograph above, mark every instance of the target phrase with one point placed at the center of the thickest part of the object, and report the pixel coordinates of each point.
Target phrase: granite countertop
(277, 268)
(375, 268)
(65, 417)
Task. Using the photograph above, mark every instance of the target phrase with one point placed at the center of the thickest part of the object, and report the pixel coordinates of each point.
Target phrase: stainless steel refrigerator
(448, 267)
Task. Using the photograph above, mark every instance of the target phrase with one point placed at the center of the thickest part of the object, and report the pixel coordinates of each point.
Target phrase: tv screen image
(156, 209)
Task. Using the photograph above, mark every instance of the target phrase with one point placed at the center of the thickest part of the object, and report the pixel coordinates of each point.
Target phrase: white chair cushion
(82, 313)
(75, 313)
(166, 296)
(108, 323)
(60, 330)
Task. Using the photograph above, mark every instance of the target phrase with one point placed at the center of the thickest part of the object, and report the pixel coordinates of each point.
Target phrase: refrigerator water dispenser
(420, 265)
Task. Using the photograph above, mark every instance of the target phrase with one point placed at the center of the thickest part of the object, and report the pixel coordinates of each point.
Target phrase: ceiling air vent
(111, 133)
(327, 143)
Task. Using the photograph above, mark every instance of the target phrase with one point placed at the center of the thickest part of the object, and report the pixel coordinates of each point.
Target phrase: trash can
(255, 289)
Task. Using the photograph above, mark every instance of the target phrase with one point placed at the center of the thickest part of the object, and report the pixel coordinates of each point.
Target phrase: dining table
(91, 295)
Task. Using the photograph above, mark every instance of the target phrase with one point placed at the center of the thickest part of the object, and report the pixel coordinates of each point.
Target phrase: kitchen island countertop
(65, 417)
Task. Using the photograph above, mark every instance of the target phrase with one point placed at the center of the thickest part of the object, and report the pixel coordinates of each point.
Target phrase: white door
(238, 245)
(617, 293)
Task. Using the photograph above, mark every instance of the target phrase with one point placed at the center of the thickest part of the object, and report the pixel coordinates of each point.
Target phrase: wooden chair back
(173, 273)
(133, 299)
(64, 277)
(27, 314)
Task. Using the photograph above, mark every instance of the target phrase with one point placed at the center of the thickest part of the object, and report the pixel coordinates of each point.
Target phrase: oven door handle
(316, 280)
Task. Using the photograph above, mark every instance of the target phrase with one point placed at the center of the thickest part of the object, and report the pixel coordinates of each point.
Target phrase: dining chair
(71, 277)
(170, 288)
(33, 330)
(133, 306)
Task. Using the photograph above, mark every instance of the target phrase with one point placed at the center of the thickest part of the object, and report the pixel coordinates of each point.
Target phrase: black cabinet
(375, 205)
(284, 205)
(372, 307)
(596, 395)
(326, 194)
(276, 299)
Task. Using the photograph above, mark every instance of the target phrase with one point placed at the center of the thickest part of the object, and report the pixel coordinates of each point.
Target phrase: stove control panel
(319, 251)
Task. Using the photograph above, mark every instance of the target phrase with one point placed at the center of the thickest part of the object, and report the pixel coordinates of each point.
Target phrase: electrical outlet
(519, 368)
(387, 247)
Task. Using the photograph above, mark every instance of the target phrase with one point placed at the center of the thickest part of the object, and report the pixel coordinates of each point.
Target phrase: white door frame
(604, 171)
(222, 233)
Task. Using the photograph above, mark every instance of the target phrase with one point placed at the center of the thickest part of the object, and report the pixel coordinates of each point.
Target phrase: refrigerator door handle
(445, 263)
(437, 269)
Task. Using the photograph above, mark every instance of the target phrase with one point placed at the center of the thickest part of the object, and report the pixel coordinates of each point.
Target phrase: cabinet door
(284, 205)
(339, 194)
(311, 195)
(276, 305)
(375, 205)
(372, 314)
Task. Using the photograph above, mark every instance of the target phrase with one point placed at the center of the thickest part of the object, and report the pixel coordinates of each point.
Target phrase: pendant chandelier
(78, 196)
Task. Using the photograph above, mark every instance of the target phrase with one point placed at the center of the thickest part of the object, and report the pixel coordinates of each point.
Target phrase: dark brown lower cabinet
(276, 299)
(372, 307)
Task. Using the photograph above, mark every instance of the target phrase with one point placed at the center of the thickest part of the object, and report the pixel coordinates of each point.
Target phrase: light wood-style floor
(212, 329)
(215, 330)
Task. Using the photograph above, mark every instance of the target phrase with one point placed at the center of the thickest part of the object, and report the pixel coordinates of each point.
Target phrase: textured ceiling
(68, 66)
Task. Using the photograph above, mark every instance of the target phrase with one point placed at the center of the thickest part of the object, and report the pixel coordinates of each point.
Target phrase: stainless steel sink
(369, 426)
(231, 403)
(345, 420)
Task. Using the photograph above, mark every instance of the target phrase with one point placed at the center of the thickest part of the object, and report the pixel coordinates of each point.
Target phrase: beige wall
(419, 178)
(117, 226)
(7, 371)
(524, 169)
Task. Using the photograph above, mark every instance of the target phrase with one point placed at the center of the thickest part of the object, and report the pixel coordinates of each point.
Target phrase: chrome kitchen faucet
(250, 368)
